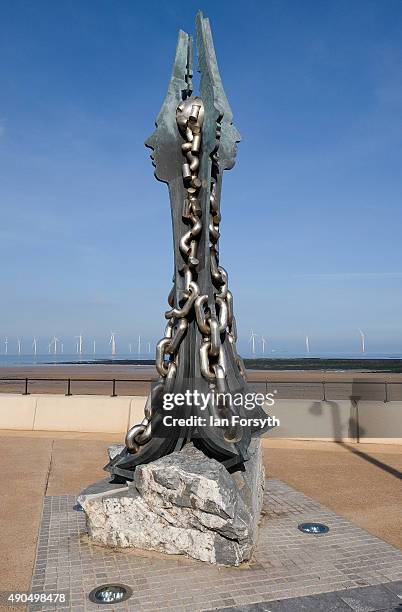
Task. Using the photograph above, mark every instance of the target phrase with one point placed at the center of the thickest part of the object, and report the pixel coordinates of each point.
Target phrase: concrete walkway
(347, 562)
(34, 465)
(360, 482)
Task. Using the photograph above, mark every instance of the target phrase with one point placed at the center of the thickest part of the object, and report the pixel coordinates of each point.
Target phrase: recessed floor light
(110, 594)
(313, 528)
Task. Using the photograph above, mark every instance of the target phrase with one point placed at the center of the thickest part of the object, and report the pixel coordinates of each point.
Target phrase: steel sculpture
(193, 143)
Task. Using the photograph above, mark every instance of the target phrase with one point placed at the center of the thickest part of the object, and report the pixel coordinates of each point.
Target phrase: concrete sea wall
(364, 421)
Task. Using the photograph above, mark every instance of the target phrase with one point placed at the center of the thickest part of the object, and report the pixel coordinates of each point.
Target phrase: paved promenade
(287, 563)
(361, 483)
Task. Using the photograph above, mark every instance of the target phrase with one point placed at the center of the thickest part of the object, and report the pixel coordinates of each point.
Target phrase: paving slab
(288, 564)
(35, 464)
(364, 599)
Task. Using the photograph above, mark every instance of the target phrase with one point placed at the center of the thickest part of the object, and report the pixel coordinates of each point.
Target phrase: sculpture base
(183, 503)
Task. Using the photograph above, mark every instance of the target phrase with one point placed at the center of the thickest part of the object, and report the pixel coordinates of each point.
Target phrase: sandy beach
(136, 380)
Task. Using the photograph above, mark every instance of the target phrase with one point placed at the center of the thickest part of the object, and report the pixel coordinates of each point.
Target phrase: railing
(322, 390)
(385, 391)
(26, 384)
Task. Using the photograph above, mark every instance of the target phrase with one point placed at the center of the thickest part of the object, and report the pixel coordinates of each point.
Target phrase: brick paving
(287, 564)
(381, 598)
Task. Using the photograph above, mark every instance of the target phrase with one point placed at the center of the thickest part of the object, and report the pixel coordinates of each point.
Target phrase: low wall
(90, 413)
(380, 421)
(313, 419)
(365, 421)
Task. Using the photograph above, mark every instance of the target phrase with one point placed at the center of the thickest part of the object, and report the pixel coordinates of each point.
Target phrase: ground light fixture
(110, 594)
(314, 528)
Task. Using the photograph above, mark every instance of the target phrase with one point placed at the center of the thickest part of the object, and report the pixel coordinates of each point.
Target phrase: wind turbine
(94, 347)
(149, 348)
(35, 346)
(139, 345)
(61, 347)
(6, 346)
(54, 342)
(363, 340)
(79, 344)
(263, 342)
(307, 345)
(130, 347)
(252, 340)
(19, 345)
(112, 342)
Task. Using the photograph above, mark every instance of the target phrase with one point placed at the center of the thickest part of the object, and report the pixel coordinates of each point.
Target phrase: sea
(62, 359)
(135, 359)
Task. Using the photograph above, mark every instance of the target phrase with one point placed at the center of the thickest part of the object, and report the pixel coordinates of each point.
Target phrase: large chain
(213, 327)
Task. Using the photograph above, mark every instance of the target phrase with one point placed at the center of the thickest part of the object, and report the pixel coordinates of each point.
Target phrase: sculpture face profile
(193, 143)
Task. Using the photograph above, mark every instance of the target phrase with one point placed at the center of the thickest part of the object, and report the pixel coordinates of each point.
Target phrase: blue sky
(312, 214)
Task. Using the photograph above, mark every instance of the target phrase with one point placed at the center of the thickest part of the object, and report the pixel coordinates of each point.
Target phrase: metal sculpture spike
(193, 143)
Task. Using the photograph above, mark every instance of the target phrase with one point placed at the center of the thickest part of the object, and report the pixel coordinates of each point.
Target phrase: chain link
(190, 117)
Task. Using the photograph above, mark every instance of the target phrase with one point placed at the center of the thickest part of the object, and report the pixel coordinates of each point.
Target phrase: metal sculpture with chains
(194, 142)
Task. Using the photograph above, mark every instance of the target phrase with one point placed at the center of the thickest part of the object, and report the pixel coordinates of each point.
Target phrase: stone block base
(184, 503)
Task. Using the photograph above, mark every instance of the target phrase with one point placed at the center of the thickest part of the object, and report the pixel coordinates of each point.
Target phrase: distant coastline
(318, 363)
(291, 364)
(111, 361)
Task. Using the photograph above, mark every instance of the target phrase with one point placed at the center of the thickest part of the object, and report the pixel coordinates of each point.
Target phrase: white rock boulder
(184, 503)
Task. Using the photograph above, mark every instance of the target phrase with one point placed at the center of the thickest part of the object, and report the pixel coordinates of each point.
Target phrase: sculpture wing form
(211, 88)
(166, 154)
(193, 143)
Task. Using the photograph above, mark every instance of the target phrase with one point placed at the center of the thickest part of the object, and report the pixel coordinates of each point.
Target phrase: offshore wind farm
(138, 348)
(48, 361)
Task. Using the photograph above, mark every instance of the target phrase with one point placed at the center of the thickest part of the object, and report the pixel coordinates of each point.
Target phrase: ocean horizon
(71, 359)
